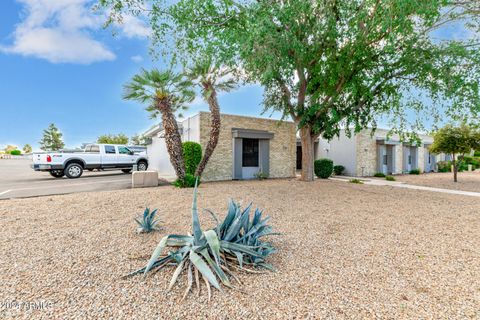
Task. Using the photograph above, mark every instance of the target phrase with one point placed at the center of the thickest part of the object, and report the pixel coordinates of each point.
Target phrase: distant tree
(456, 141)
(52, 139)
(138, 140)
(165, 92)
(9, 148)
(27, 148)
(113, 139)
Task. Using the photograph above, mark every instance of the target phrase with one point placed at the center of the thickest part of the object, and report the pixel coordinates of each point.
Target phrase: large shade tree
(329, 64)
(457, 142)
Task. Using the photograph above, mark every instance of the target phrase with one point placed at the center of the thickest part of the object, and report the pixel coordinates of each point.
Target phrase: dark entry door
(299, 157)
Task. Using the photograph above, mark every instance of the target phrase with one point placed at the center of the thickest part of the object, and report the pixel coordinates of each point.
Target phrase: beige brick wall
(421, 158)
(282, 146)
(399, 159)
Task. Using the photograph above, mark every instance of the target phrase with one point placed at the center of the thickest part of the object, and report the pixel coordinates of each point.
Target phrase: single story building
(364, 154)
(246, 146)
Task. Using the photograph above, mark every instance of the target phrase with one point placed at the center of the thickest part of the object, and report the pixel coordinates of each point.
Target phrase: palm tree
(211, 79)
(165, 92)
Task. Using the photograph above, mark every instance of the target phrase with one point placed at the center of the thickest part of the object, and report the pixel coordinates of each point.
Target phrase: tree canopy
(113, 138)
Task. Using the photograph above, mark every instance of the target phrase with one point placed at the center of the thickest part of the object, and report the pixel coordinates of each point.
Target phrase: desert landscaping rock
(467, 181)
(346, 251)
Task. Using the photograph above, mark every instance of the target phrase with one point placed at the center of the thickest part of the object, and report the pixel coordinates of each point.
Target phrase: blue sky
(58, 65)
(72, 73)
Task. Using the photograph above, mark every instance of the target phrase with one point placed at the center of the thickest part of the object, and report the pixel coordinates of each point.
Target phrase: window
(123, 150)
(409, 159)
(110, 149)
(88, 148)
(250, 153)
(385, 160)
(94, 148)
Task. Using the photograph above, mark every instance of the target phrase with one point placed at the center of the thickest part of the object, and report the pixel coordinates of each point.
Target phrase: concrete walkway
(397, 184)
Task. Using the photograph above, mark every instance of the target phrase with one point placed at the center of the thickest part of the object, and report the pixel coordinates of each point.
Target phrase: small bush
(15, 152)
(192, 155)
(474, 161)
(338, 169)
(356, 181)
(187, 182)
(444, 166)
(390, 178)
(379, 175)
(415, 171)
(261, 175)
(323, 168)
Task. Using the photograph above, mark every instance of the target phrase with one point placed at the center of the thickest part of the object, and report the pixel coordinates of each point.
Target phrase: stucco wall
(342, 151)
(282, 146)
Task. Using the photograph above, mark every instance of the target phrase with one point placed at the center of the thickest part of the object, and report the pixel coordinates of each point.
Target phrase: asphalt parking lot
(18, 180)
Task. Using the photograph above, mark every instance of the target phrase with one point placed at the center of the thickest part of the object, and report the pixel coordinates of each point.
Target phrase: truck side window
(88, 148)
(123, 150)
(94, 148)
(110, 149)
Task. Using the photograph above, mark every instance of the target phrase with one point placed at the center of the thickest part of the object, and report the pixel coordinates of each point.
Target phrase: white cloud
(62, 31)
(137, 59)
(133, 27)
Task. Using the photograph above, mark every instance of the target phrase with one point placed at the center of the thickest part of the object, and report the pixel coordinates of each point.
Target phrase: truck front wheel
(56, 173)
(142, 165)
(73, 171)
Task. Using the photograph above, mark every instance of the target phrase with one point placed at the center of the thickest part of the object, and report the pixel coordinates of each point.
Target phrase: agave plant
(214, 254)
(147, 222)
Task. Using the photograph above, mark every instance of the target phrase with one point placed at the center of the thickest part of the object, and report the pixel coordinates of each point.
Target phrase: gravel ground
(467, 181)
(347, 251)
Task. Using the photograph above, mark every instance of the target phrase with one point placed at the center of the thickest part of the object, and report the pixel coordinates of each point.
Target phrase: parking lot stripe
(4, 192)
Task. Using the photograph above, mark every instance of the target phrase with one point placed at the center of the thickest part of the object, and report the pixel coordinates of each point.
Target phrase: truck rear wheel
(73, 171)
(142, 165)
(57, 173)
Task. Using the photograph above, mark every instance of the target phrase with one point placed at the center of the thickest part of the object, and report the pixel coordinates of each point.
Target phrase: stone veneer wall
(366, 154)
(398, 159)
(282, 146)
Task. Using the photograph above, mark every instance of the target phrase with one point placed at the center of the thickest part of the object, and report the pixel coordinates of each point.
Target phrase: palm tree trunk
(215, 125)
(173, 140)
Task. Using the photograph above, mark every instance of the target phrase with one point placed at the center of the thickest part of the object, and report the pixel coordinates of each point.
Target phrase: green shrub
(323, 168)
(187, 182)
(415, 171)
(261, 175)
(390, 178)
(147, 222)
(338, 169)
(236, 242)
(15, 152)
(474, 161)
(444, 166)
(477, 154)
(356, 181)
(379, 175)
(192, 155)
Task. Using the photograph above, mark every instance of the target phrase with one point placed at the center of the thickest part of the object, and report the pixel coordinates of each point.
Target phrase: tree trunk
(215, 125)
(308, 143)
(173, 140)
(455, 168)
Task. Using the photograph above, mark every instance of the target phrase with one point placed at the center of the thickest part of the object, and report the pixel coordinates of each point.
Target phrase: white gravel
(347, 251)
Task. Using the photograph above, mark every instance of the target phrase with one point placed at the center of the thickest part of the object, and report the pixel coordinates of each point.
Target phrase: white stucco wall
(341, 150)
(158, 157)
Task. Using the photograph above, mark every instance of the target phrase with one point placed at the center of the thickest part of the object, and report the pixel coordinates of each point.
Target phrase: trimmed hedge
(323, 168)
(338, 169)
(390, 178)
(15, 152)
(379, 175)
(415, 171)
(187, 182)
(192, 155)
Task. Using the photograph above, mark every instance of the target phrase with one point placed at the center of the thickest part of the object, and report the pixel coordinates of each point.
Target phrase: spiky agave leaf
(147, 222)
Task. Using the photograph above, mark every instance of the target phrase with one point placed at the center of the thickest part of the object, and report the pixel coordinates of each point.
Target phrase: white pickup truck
(95, 156)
